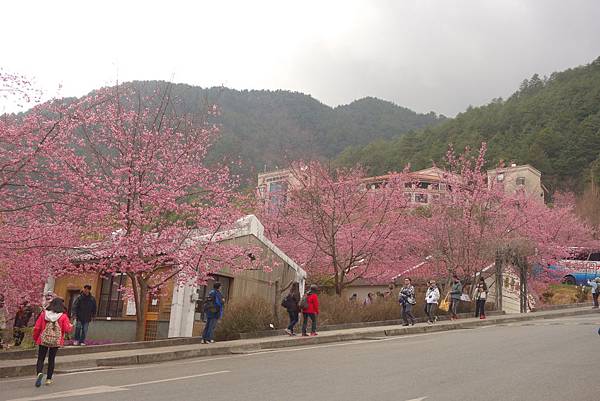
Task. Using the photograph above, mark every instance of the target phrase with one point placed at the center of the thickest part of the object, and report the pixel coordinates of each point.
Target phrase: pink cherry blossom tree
(149, 204)
(338, 228)
(33, 223)
(463, 231)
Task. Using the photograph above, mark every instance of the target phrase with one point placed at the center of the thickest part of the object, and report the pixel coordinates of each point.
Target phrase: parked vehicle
(584, 265)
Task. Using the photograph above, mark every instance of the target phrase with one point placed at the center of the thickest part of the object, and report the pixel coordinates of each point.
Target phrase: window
(205, 289)
(500, 177)
(421, 198)
(408, 197)
(595, 257)
(520, 180)
(111, 302)
(278, 191)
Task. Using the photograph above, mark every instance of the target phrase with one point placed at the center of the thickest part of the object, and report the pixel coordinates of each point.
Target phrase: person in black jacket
(22, 318)
(84, 310)
(290, 303)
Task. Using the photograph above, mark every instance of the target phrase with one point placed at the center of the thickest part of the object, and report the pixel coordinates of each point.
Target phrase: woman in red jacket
(49, 335)
(310, 311)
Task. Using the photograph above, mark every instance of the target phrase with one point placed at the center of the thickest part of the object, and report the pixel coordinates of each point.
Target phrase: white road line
(73, 393)
(272, 351)
(418, 399)
(176, 378)
(111, 389)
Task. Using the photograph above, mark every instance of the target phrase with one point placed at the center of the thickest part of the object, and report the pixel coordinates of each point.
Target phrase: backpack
(210, 305)
(51, 335)
(285, 301)
(303, 302)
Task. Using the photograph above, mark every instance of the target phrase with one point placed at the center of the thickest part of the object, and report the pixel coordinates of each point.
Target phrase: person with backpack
(84, 310)
(49, 334)
(480, 297)
(213, 311)
(432, 297)
(407, 300)
(310, 309)
(290, 303)
(455, 294)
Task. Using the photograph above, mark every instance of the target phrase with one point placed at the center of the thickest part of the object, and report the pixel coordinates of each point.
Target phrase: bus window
(595, 257)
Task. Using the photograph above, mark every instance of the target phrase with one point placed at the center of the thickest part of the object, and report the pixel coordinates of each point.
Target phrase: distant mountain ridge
(552, 123)
(268, 129)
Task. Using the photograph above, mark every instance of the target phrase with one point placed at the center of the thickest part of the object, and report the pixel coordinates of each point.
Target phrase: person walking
(407, 300)
(310, 310)
(213, 311)
(290, 303)
(432, 297)
(368, 299)
(22, 318)
(84, 310)
(595, 284)
(480, 297)
(49, 334)
(455, 294)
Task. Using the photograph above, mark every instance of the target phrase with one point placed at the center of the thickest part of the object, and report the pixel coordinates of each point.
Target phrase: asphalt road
(553, 360)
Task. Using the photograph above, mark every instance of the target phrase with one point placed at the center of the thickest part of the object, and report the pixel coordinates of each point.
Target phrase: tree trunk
(499, 280)
(140, 293)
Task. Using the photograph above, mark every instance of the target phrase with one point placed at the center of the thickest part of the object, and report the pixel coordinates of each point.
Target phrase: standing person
(310, 310)
(290, 303)
(22, 318)
(390, 291)
(455, 293)
(353, 298)
(480, 297)
(84, 310)
(49, 334)
(595, 284)
(213, 311)
(368, 299)
(432, 297)
(407, 300)
(3, 314)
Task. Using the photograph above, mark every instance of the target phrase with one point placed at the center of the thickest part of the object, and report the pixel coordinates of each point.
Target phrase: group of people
(308, 304)
(52, 325)
(407, 300)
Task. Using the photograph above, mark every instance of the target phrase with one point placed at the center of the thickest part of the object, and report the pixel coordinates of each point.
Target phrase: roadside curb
(147, 356)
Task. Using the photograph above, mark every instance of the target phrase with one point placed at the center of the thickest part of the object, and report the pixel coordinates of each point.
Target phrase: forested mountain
(268, 129)
(552, 123)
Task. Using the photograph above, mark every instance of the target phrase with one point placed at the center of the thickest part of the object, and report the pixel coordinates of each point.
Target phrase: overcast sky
(438, 55)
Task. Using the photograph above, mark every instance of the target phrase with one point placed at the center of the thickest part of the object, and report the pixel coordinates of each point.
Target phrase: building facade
(176, 312)
(425, 186)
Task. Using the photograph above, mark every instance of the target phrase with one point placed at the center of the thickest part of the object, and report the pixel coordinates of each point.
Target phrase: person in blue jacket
(213, 311)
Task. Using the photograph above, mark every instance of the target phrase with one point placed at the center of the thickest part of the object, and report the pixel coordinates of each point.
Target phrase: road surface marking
(110, 389)
(73, 393)
(418, 399)
(176, 378)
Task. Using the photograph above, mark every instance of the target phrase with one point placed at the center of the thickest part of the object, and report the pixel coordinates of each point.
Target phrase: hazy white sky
(439, 55)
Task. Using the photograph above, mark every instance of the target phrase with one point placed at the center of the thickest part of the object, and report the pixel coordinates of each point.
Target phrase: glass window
(520, 180)
(595, 257)
(421, 198)
(500, 177)
(111, 301)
